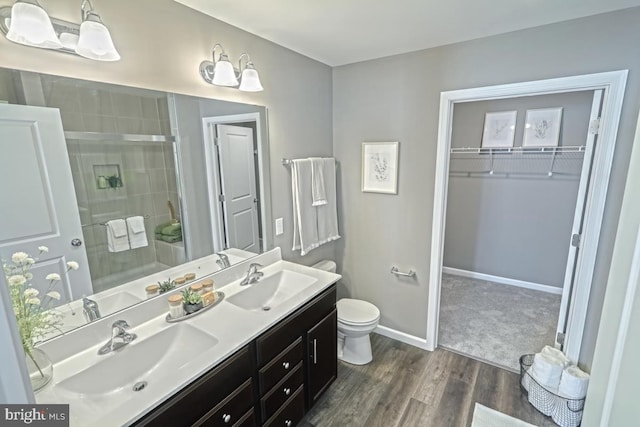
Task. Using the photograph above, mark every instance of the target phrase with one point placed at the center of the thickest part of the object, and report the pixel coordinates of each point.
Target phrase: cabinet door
(322, 363)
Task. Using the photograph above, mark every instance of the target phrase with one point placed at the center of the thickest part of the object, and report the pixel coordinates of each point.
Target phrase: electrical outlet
(279, 226)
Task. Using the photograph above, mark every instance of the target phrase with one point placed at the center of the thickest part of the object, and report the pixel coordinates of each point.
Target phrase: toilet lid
(357, 311)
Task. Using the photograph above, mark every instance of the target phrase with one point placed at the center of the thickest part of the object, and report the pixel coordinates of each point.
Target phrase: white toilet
(356, 320)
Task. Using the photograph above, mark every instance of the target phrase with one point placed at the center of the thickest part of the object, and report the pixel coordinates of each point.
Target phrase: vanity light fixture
(222, 72)
(26, 22)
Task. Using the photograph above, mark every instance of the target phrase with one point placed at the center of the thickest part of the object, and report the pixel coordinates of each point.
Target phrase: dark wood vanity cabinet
(273, 381)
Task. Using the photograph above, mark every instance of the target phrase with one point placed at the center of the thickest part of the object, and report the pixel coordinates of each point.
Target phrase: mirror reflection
(140, 187)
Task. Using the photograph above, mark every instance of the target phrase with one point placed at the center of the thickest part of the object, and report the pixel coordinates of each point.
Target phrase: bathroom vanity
(263, 356)
(272, 381)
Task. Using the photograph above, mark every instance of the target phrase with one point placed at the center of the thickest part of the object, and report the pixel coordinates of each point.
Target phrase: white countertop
(232, 327)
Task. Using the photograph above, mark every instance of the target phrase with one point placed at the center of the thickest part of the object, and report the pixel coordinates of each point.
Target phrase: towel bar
(394, 270)
(105, 223)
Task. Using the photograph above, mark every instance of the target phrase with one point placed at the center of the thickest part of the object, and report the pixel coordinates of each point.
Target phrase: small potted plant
(191, 300)
(166, 286)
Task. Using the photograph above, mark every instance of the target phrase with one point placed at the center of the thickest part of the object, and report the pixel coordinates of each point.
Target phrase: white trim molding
(613, 83)
(401, 336)
(503, 280)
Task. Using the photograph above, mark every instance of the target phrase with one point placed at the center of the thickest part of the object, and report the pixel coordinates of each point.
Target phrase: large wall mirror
(139, 187)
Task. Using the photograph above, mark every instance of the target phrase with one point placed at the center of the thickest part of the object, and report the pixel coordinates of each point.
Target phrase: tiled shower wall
(147, 170)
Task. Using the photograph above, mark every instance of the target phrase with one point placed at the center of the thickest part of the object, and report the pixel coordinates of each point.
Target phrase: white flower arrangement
(35, 314)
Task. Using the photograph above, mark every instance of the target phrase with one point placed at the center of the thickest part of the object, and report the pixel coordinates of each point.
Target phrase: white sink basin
(271, 291)
(115, 302)
(165, 352)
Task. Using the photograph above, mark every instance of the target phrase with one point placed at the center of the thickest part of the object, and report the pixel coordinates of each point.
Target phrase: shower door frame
(613, 84)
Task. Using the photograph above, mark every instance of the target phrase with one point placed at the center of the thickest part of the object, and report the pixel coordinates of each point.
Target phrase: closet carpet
(493, 322)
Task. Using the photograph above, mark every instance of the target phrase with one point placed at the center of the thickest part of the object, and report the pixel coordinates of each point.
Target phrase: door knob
(76, 242)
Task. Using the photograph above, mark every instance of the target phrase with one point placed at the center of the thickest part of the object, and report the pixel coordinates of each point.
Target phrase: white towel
(547, 349)
(318, 192)
(313, 225)
(574, 383)
(117, 238)
(547, 370)
(137, 232)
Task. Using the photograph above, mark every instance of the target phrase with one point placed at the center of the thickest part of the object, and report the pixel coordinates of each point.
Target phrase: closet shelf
(564, 160)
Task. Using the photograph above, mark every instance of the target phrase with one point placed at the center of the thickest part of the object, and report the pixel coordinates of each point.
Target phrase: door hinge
(594, 126)
(216, 140)
(560, 338)
(221, 198)
(575, 240)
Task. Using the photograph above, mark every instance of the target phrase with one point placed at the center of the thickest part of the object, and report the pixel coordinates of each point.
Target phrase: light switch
(279, 226)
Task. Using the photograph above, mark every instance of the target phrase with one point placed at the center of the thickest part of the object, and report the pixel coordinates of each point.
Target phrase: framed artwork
(380, 167)
(499, 129)
(542, 128)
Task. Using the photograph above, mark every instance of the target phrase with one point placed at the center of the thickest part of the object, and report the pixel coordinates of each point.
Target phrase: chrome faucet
(223, 262)
(119, 337)
(253, 275)
(90, 309)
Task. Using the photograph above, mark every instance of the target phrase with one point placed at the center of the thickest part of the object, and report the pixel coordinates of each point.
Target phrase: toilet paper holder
(410, 273)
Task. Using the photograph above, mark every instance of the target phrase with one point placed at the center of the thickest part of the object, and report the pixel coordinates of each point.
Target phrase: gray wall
(382, 230)
(516, 226)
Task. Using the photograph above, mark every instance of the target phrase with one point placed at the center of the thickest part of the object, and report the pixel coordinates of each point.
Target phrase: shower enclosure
(117, 176)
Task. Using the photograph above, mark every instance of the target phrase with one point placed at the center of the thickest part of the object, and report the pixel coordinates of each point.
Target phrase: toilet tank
(325, 265)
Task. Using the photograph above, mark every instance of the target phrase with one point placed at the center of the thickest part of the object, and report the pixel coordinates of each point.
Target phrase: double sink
(163, 352)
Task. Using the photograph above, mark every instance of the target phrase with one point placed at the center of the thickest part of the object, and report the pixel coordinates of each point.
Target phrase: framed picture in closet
(499, 129)
(542, 128)
(380, 167)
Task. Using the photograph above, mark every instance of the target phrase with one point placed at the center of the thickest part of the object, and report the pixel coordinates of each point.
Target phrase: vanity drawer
(279, 337)
(279, 394)
(231, 410)
(247, 420)
(197, 399)
(280, 366)
(291, 413)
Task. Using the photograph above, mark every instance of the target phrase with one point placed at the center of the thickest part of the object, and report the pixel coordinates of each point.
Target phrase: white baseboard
(401, 336)
(503, 280)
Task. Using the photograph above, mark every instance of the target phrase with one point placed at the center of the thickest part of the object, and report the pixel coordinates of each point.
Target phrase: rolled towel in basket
(547, 370)
(547, 349)
(573, 383)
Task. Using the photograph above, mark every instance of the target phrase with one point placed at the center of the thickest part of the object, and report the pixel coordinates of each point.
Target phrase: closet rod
(532, 150)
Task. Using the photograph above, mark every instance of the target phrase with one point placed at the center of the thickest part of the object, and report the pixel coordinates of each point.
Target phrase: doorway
(604, 128)
(510, 214)
(232, 148)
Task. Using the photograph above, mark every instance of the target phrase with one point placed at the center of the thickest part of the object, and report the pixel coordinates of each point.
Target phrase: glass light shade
(250, 81)
(223, 73)
(69, 41)
(95, 42)
(31, 26)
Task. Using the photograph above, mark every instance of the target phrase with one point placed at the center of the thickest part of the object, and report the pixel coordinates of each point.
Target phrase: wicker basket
(563, 411)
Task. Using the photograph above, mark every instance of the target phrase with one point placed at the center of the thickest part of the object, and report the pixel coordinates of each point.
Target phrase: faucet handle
(255, 266)
(121, 324)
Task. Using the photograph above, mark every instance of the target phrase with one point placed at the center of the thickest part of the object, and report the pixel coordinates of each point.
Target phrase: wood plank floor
(406, 386)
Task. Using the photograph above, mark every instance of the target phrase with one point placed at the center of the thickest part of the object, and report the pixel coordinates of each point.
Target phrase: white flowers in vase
(34, 311)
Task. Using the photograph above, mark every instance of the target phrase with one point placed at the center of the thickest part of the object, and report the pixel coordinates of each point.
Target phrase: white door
(236, 155)
(39, 205)
(578, 219)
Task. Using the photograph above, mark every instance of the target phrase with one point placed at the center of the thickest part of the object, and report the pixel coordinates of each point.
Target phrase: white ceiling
(338, 32)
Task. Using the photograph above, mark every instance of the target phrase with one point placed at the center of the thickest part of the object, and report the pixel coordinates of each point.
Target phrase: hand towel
(313, 225)
(117, 238)
(547, 370)
(573, 383)
(137, 232)
(328, 213)
(305, 220)
(318, 192)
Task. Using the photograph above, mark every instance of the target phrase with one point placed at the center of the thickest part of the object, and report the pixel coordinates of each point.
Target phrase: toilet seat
(357, 312)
